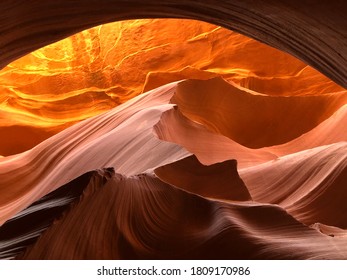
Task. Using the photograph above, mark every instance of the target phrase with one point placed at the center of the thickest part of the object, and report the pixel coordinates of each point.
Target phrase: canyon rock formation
(173, 138)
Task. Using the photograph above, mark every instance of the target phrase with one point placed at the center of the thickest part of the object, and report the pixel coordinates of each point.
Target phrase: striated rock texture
(122, 138)
(176, 191)
(23, 229)
(138, 221)
(94, 71)
(108, 154)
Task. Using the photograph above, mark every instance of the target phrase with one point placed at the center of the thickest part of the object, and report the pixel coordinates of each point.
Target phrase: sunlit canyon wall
(170, 139)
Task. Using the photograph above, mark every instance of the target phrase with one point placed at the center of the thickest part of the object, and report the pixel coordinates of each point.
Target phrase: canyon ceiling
(315, 32)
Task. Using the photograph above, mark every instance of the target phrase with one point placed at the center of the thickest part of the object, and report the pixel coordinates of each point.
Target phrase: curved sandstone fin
(219, 180)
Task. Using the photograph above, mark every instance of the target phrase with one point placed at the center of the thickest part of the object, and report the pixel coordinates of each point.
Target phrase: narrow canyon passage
(170, 139)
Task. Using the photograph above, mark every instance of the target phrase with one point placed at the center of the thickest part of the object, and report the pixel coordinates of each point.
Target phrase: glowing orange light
(97, 69)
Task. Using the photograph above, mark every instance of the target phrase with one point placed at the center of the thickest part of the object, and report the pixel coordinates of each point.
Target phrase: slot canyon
(173, 129)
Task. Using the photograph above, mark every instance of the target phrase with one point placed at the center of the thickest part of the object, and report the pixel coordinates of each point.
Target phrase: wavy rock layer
(318, 192)
(121, 138)
(95, 70)
(306, 175)
(251, 167)
(164, 222)
(23, 229)
(178, 192)
(251, 119)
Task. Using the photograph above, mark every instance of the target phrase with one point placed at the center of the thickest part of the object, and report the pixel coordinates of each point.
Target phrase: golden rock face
(249, 151)
(95, 70)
